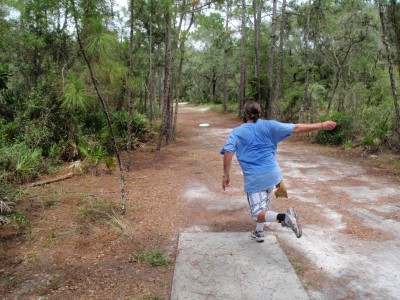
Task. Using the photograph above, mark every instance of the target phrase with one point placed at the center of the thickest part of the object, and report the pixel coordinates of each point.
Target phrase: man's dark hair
(253, 110)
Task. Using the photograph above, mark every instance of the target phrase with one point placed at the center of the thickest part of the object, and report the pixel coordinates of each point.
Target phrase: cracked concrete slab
(230, 265)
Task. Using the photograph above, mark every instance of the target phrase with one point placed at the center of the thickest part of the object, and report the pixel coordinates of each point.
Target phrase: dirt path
(351, 243)
(351, 214)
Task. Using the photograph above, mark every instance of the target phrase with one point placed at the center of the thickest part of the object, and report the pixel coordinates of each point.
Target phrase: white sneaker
(258, 236)
(292, 220)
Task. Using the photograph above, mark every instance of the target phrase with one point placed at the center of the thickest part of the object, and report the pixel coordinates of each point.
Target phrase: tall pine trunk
(182, 42)
(390, 65)
(227, 35)
(166, 102)
(131, 94)
(278, 85)
(257, 4)
(394, 14)
(242, 86)
(305, 94)
(267, 112)
(152, 83)
(315, 39)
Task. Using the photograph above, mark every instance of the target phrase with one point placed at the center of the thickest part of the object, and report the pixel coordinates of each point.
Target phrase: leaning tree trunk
(305, 95)
(390, 65)
(131, 94)
(242, 86)
(278, 85)
(271, 61)
(105, 110)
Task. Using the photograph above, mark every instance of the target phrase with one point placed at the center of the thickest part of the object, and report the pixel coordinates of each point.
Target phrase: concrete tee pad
(229, 265)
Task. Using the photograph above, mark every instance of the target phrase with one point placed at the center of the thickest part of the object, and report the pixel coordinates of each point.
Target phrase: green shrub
(381, 129)
(94, 154)
(93, 123)
(341, 133)
(69, 150)
(8, 198)
(141, 130)
(19, 163)
(36, 134)
(19, 219)
(9, 131)
(368, 140)
(54, 154)
(375, 127)
(348, 144)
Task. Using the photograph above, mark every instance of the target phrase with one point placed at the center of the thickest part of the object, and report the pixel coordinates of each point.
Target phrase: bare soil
(75, 244)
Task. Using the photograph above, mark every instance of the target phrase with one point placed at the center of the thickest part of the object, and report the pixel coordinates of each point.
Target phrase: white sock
(270, 216)
(259, 226)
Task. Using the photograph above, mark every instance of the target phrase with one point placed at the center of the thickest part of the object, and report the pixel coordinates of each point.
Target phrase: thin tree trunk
(394, 18)
(311, 102)
(278, 85)
(305, 95)
(174, 46)
(315, 39)
(242, 86)
(227, 35)
(174, 110)
(257, 23)
(331, 98)
(390, 65)
(213, 86)
(131, 94)
(105, 110)
(178, 87)
(160, 80)
(152, 84)
(271, 60)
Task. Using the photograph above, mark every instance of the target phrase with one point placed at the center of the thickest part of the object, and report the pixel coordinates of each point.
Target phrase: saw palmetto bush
(93, 155)
(141, 130)
(20, 164)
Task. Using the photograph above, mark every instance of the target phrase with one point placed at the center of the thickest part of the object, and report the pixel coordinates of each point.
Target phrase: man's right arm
(306, 128)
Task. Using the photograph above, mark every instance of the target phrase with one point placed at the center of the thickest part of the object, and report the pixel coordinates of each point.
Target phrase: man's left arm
(227, 166)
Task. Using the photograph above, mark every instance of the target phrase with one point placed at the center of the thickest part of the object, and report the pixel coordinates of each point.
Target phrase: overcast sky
(121, 3)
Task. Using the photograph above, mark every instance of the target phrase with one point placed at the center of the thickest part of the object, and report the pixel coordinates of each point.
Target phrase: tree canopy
(312, 60)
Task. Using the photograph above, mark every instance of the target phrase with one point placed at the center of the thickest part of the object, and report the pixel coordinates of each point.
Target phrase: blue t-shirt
(255, 145)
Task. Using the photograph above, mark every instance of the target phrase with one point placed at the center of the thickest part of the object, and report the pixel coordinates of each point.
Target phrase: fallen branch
(47, 181)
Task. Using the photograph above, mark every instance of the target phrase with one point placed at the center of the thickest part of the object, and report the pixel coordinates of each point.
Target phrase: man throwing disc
(255, 143)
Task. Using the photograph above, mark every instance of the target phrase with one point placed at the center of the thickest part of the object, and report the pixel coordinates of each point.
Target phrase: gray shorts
(259, 201)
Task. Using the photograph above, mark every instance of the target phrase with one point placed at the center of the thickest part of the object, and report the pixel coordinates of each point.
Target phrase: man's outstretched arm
(306, 128)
